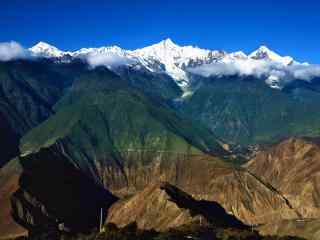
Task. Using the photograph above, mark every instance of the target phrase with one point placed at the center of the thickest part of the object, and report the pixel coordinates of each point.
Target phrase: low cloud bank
(107, 60)
(12, 50)
(305, 72)
(271, 71)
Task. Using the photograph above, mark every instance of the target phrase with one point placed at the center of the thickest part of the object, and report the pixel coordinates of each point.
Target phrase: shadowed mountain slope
(28, 91)
(53, 191)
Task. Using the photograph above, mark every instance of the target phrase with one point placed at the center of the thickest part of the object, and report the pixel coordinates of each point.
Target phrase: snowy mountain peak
(44, 49)
(264, 53)
(264, 48)
(179, 62)
(161, 48)
(168, 43)
(102, 50)
(238, 55)
(42, 45)
(171, 56)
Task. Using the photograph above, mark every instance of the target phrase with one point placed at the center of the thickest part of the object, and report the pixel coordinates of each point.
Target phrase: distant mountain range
(179, 62)
(250, 93)
(243, 99)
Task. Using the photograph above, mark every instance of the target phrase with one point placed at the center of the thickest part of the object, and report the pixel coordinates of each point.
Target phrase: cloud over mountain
(12, 50)
(107, 60)
(270, 70)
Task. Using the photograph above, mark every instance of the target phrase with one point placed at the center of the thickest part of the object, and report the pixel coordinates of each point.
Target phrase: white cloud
(305, 72)
(108, 60)
(273, 72)
(12, 50)
(238, 67)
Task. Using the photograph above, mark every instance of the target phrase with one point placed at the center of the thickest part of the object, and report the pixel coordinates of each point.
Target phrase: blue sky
(288, 27)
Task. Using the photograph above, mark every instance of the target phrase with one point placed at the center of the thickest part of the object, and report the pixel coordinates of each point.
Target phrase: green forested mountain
(244, 110)
(101, 117)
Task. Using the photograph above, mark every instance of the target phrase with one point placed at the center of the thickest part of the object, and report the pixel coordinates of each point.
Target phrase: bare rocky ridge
(207, 178)
(162, 206)
(150, 209)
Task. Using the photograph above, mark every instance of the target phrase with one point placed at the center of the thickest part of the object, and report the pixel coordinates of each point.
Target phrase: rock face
(162, 206)
(293, 168)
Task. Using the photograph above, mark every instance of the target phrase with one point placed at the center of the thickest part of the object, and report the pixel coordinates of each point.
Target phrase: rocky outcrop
(162, 206)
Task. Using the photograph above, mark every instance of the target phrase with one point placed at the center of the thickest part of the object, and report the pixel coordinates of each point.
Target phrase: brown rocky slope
(204, 177)
(278, 188)
(279, 183)
(162, 206)
(207, 178)
(293, 168)
(9, 183)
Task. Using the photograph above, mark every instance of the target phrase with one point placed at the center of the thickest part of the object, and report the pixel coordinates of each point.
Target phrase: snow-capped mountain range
(180, 61)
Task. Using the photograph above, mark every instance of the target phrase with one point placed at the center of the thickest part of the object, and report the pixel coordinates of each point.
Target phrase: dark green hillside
(28, 90)
(151, 83)
(101, 117)
(247, 111)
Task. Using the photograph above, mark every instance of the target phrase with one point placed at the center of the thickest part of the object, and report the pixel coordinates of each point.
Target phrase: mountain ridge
(176, 61)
